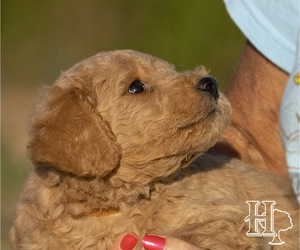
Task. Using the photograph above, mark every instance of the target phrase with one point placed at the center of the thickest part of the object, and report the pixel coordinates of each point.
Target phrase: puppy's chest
(168, 209)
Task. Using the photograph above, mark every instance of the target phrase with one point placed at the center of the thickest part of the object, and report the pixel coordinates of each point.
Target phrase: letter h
(265, 220)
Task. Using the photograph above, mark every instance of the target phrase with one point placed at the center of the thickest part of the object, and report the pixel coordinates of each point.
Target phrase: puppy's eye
(136, 87)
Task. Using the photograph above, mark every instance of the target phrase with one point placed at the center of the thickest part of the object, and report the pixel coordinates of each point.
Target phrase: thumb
(151, 242)
(124, 242)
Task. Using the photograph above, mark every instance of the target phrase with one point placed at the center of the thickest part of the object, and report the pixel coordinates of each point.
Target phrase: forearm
(255, 93)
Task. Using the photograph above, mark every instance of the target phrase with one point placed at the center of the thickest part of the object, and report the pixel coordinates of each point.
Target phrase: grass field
(12, 179)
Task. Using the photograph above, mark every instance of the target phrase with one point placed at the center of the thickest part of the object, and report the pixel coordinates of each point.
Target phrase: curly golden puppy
(112, 142)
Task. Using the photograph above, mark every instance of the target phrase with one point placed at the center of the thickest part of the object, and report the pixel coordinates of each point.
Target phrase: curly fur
(97, 147)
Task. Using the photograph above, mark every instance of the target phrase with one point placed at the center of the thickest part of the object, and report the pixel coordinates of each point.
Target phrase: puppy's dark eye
(136, 87)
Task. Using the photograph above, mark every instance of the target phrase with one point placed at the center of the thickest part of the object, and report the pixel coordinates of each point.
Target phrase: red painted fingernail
(128, 242)
(151, 242)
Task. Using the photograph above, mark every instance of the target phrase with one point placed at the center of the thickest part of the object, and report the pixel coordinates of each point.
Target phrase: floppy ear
(70, 135)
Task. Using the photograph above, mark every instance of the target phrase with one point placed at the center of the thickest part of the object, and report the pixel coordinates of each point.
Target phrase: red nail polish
(151, 242)
(128, 242)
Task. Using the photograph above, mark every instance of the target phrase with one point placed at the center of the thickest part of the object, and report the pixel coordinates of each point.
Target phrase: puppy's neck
(93, 196)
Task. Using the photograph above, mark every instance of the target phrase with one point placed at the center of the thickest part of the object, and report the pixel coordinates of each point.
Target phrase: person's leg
(255, 93)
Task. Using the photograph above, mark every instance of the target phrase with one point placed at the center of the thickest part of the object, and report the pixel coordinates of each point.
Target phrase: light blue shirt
(270, 25)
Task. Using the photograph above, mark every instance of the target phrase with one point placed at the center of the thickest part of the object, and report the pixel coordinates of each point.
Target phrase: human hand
(151, 242)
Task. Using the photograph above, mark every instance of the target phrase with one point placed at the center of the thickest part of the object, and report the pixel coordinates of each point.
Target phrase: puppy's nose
(210, 85)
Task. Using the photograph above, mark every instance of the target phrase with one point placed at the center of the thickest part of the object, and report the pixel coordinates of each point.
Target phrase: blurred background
(42, 38)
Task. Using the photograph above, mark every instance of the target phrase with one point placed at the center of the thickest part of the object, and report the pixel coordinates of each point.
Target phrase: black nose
(210, 85)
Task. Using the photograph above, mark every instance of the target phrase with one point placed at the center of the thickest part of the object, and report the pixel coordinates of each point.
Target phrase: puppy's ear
(70, 135)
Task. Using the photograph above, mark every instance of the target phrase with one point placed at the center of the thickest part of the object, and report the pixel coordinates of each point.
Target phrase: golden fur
(98, 148)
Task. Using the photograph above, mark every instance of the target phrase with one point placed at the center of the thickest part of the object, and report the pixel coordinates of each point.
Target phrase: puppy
(112, 146)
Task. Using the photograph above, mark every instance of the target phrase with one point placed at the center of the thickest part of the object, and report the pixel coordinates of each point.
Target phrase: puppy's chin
(220, 115)
(206, 130)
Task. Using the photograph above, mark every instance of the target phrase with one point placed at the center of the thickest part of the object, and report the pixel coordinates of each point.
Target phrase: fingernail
(151, 242)
(128, 242)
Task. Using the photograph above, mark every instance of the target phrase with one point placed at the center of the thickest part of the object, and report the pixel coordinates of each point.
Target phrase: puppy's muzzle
(209, 84)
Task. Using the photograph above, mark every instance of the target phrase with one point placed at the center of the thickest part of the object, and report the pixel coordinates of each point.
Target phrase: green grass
(13, 175)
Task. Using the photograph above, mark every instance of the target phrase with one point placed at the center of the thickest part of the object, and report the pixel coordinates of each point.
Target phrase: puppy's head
(128, 112)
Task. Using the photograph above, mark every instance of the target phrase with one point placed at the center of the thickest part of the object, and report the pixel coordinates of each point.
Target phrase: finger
(151, 242)
(124, 242)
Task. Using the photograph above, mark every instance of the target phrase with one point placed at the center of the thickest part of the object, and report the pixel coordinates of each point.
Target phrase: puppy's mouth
(198, 118)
